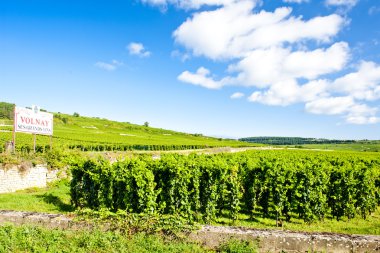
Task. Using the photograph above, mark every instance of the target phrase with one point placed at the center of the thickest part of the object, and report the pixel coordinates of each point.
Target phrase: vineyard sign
(33, 121)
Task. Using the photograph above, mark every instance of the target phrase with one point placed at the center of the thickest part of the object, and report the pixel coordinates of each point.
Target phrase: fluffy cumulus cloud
(266, 67)
(351, 92)
(109, 66)
(364, 84)
(362, 114)
(203, 78)
(138, 49)
(354, 113)
(285, 59)
(330, 105)
(234, 31)
(237, 95)
(288, 92)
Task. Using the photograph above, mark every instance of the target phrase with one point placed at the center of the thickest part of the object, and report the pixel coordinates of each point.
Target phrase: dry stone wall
(22, 177)
(287, 241)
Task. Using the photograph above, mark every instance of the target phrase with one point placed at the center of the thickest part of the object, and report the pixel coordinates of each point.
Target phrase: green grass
(372, 146)
(56, 199)
(53, 199)
(357, 225)
(35, 239)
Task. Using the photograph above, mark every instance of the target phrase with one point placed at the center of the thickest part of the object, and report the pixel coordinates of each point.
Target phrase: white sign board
(33, 121)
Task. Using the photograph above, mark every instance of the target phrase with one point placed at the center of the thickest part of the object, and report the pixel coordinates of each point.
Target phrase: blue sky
(218, 67)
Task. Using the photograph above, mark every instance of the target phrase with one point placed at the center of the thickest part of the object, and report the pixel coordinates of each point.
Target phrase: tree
(76, 114)
(146, 124)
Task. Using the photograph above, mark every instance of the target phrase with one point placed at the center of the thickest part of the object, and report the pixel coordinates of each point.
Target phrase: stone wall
(287, 241)
(22, 177)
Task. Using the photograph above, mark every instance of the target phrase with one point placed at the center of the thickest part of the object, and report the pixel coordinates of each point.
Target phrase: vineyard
(278, 184)
(95, 134)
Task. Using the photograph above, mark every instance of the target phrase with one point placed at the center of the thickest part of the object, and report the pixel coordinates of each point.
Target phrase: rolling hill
(95, 134)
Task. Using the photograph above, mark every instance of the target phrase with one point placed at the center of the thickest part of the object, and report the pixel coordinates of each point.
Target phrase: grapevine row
(281, 184)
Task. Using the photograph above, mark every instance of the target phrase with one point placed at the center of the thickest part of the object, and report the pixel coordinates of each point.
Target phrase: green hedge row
(124, 147)
(280, 184)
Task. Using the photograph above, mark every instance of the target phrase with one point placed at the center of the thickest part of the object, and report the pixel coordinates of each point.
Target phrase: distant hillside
(96, 134)
(292, 140)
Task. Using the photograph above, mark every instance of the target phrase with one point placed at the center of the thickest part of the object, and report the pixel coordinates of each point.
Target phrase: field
(94, 134)
(297, 190)
(292, 188)
(373, 146)
(313, 143)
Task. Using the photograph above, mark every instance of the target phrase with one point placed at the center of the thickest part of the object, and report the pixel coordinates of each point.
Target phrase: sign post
(34, 143)
(32, 121)
(14, 131)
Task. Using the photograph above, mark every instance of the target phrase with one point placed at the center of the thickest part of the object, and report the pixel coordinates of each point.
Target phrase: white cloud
(264, 67)
(281, 93)
(234, 30)
(237, 95)
(202, 78)
(289, 92)
(138, 49)
(296, 1)
(271, 51)
(189, 4)
(114, 64)
(348, 3)
(361, 120)
(363, 84)
(183, 56)
(256, 39)
(354, 113)
(362, 114)
(330, 105)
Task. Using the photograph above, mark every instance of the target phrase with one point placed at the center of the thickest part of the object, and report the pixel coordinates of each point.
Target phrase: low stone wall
(22, 177)
(288, 241)
(43, 219)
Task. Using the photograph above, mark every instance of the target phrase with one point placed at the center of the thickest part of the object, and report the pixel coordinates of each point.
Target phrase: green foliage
(365, 146)
(173, 225)
(35, 239)
(293, 140)
(59, 158)
(238, 246)
(279, 184)
(6, 110)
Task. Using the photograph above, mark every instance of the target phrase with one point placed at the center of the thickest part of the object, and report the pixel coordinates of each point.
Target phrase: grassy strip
(35, 239)
(357, 225)
(53, 199)
(56, 199)
(366, 147)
